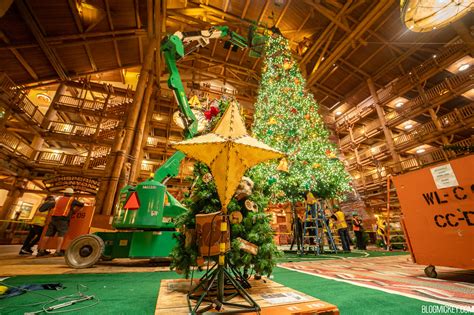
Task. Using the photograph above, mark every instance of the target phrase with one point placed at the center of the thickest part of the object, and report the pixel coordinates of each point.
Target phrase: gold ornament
(283, 166)
(251, 206)
(236, 217)
(316, 165)
(287, 64)
(194, 102)
(272, 121)
(207, 178)
(228, 151)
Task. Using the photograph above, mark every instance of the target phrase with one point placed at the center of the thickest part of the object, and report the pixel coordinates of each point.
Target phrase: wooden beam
(288, 2)
(246, 7)
(19, 57)
(262, 14)
(375, 13)
(38, 34)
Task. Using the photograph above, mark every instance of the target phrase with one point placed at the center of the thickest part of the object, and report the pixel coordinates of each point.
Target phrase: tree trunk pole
(127, 134)
(147, 108)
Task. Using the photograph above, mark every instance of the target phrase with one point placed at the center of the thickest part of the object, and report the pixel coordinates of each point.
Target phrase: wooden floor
(266, 293)
(12, 264)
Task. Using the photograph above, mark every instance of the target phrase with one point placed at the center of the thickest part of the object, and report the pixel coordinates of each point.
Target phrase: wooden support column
(37, 144)
(386, 131)
(145, 115)
(126, 136)
(51, 112)
(432, 113)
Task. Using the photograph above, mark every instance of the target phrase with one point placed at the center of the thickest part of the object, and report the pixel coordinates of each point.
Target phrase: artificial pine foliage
(255, 226)
(286, 118)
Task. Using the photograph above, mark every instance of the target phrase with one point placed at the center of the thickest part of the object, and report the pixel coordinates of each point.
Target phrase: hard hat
(68, 190)
(355, 213)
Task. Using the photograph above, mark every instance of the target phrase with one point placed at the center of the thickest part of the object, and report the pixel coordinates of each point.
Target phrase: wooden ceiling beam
(335, 18)
(375, 13)
(282, 14)
(262, 14)
(244, 11)
(30, 21)
(19, 57)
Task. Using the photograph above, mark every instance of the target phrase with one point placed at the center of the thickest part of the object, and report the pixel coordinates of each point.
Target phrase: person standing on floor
(358, 230)
(341, 226)
(63, 210)
(37, 224)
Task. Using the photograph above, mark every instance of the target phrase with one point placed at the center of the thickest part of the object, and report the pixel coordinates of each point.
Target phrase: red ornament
(294, 110)
(212, 112)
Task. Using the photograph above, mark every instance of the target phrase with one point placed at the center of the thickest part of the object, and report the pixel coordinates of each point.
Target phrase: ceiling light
(420, 150)
(427, 15)
(434, 56)
(338, 113)
(464, 67)
(399, 104)
(44, 98)
(409, 126)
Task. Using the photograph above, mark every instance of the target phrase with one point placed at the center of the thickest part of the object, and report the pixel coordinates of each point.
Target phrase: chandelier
(428, 15)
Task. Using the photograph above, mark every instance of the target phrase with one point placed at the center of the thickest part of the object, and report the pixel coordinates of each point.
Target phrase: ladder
(315, 222)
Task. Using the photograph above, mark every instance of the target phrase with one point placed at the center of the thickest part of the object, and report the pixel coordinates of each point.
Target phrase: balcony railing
(369, 130)
(449, 121)
(72, 129)
(417, 74)
(376, 177)
(434, 96)
(15, 144)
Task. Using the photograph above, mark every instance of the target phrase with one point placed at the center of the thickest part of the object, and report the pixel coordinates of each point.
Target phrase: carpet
(396, 275)
(136, 293)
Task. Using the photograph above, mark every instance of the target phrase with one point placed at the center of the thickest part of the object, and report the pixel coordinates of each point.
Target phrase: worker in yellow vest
(37, 224)
(341, 226)
(61, 215)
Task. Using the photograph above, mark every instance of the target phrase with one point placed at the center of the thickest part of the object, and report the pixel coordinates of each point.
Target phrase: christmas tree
(248, 203)
(287, 119)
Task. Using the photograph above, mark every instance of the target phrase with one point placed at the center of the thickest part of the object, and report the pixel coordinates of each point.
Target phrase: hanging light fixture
(428, 15)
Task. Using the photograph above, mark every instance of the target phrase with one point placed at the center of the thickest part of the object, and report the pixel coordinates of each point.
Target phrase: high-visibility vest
(62, 207)
(341, 220)
(39, 218)
(356, 224)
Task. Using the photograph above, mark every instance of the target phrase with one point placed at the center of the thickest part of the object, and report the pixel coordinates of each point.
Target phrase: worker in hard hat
(341, 226)
(358, 230)
(37, 225)
(64, 208)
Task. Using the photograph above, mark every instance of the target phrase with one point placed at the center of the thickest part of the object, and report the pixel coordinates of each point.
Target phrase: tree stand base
(216, 288)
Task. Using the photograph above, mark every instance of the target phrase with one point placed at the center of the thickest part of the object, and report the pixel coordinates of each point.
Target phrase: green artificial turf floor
(136, 293)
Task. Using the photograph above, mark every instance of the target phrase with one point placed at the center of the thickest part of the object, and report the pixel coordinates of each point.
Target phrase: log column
(51, 112)
(386, 131)
(128, 132)
(141, 133)
(433, 115)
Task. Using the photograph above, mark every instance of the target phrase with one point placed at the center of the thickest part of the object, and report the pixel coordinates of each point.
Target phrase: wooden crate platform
(269, 295)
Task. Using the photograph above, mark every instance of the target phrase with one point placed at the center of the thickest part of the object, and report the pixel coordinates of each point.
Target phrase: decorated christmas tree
(287, 119)
(249, 223)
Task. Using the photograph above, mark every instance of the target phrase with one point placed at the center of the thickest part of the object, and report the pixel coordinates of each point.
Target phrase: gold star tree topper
(228, 151)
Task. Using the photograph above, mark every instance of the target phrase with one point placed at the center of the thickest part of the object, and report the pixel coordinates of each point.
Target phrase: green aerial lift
(144, 215)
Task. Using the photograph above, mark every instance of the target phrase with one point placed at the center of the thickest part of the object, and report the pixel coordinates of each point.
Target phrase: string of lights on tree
(287, 119)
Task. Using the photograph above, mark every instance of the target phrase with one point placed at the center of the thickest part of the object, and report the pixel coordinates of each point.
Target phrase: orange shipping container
(438, 213)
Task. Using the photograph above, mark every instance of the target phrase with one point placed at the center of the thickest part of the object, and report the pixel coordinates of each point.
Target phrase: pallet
(269, 295)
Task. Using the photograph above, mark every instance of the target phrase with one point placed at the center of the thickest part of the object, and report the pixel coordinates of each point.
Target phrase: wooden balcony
(437, 95)
(376, 178)
(451, 123)
(360, 134)
(15, 145)
(405, 83)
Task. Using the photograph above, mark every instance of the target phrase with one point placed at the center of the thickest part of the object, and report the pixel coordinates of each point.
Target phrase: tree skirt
(396, 275)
